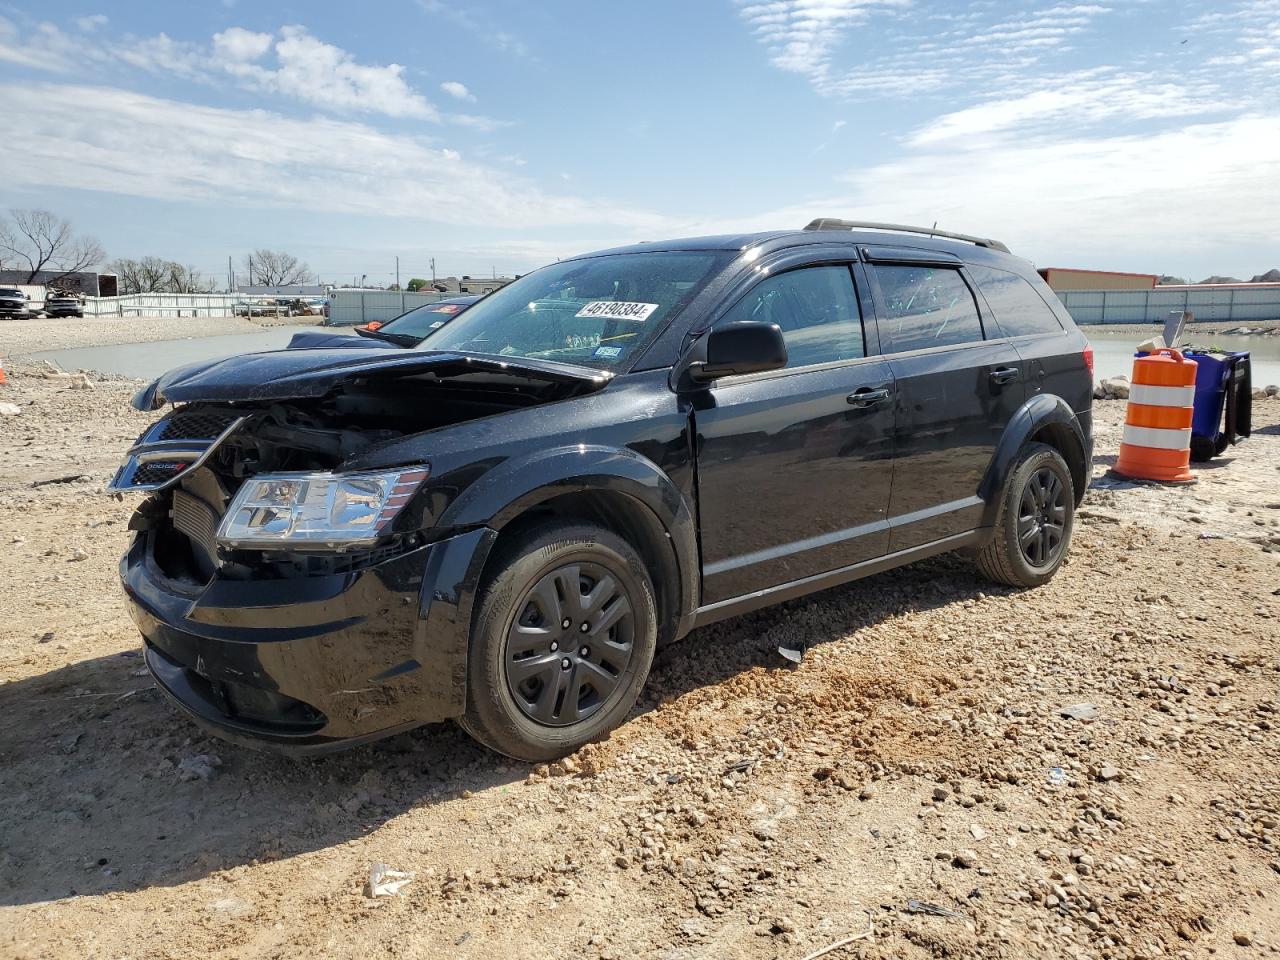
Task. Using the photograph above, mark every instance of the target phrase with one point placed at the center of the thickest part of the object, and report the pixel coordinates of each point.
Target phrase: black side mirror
(742, 346)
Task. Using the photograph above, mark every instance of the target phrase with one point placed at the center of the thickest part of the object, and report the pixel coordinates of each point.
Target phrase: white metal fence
(347, 307)
(163, 305)
(1224, 303)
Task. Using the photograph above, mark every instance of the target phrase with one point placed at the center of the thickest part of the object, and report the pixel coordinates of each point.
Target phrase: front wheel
(1034, 522)
(561, 644)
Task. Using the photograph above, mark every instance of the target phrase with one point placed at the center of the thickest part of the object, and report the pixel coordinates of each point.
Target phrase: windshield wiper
(399, 339)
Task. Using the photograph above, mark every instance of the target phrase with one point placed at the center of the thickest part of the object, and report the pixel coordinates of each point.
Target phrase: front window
(599, 311)
(421, 321)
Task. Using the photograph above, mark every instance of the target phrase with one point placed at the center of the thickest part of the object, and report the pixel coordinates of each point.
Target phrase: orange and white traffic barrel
(1157, 426)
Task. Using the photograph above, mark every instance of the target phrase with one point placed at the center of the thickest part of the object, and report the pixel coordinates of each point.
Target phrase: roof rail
(830, 223)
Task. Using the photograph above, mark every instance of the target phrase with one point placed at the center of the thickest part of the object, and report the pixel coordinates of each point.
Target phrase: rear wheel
(1034, 523)
(562, 642)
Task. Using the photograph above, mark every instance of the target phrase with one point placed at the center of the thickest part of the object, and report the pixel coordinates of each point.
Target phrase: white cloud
(1077, 100)
(802, 35)
(1190, 192)
(805, 36)
(216, 155)
(91, 23)
(838, 124)
(241, 45)
(320, 73)
(458, 90)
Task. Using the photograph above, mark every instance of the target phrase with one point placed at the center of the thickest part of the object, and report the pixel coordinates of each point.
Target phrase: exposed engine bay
(193, 462)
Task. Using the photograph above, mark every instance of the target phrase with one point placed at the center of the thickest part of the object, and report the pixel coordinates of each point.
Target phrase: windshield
(420, 321)
(9, 292)
(599, 311)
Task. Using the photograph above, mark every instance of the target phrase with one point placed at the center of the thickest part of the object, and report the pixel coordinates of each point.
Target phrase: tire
(1203, 450)
(1023, 512)
(566, 688)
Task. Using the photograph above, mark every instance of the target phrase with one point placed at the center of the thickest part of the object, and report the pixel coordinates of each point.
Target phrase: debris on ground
(201, 766)
(385, 882)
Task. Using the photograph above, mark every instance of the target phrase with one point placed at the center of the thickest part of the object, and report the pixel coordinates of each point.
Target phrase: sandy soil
(21, 337)
(747, 809)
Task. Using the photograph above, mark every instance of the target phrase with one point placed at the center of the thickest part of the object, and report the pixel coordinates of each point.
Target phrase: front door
(794, 466)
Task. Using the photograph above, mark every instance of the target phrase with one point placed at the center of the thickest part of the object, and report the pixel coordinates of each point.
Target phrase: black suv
(502, 524)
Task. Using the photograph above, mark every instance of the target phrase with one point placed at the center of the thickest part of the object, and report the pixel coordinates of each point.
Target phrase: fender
(514, 486)
(1038, 412)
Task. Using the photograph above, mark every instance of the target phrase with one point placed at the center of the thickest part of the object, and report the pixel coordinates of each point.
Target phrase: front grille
(172, 446)
(205, 425)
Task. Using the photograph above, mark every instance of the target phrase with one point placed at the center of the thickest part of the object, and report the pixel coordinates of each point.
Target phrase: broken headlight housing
(316, 510)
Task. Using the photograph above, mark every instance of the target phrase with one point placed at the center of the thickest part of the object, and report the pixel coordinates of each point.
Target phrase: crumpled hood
(293, 374)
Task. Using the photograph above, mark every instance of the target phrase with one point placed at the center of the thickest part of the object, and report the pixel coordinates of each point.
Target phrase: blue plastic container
(1222, 385)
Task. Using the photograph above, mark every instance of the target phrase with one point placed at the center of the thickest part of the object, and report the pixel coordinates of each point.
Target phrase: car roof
(769, 241)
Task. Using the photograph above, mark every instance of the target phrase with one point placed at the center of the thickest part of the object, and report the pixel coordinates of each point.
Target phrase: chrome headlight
(317, 510)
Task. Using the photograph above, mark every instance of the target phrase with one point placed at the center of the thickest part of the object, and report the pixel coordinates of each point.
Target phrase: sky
(497, 135)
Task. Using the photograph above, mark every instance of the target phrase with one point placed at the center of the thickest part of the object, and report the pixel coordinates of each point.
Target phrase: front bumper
(314, 663)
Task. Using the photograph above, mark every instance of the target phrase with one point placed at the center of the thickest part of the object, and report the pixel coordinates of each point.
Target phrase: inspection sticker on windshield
(618, 310)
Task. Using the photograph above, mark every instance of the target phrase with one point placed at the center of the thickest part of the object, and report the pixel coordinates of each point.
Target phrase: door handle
(868, 396)
(1001, 375)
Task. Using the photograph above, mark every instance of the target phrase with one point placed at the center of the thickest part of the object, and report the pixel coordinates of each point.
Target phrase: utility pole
(397, 273)
(231, 277)
(433, 271)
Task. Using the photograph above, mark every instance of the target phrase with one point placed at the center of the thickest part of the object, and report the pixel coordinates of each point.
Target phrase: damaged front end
(279, 586)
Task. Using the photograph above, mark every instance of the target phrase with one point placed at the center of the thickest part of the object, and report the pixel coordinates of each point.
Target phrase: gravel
(748, 808)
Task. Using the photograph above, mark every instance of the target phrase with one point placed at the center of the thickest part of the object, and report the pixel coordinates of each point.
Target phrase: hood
(295, 374)
(310, 339)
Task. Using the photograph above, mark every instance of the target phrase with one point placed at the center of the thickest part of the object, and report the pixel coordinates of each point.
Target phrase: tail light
(1088, 357)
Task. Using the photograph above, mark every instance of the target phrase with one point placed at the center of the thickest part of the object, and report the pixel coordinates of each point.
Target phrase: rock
(867, 792)
(1108, 773)
(977, 832)
(1112, 388)
(81, 381)
(1271, 390)
(79, 553)
(1079, 711)
(231, 905)
(783, 925)
(9, 409)
(940, 794)
(965, 859)
(201, 766)
(1243, 940)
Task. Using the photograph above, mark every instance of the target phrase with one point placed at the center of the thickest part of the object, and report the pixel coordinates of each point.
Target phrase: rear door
(794, 466)
(957, 390)
(1049, 343)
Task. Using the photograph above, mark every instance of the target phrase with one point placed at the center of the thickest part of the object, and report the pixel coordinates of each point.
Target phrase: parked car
(14, 304)
(388, 335)
(503, 524)
(63, 305)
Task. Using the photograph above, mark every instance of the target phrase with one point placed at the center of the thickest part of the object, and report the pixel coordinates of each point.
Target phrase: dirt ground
(913, 780)
(20, 337)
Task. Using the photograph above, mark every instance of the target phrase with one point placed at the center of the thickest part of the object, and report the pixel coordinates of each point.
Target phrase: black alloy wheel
(562, 639)
(1042, 518)
(1034, 520)
(570, 644)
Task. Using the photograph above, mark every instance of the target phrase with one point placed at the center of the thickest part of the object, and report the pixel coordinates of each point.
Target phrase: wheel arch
(616, 488)
(1043, 419)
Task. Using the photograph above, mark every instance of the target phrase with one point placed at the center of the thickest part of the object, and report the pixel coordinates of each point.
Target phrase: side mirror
(742, 346)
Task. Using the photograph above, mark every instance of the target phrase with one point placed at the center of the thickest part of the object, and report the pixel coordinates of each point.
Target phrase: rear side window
(1018, 308)
(817, 309)
(925, 307)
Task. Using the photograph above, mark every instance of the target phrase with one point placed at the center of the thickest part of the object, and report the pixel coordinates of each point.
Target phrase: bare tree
(37, 241)
(157, 275)
(187, 279)
(268, 268)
